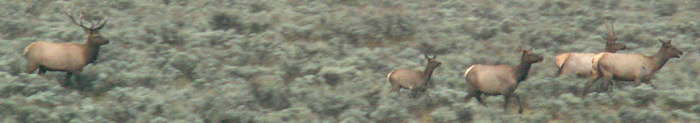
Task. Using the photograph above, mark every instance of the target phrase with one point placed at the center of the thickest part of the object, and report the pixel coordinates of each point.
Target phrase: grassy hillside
(266, 61)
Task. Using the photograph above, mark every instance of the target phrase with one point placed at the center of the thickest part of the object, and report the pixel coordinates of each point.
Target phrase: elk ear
(428, 57)
(527, 51)
(520, 49)
(662, 41)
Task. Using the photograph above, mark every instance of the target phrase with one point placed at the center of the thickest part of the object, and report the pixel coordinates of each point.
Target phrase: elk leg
(42, 71)
(414, 93)
(30, 67)
(505, 104)
(396, 88)
(590, 83)
(78, 83)
(608, 79)
(469, 96)
(471, 93)
(637, 81)
(478, 98)
(608, 87)
(67, 79)
(520, 104)
(618, 85)
(427, 95)
(652, 85)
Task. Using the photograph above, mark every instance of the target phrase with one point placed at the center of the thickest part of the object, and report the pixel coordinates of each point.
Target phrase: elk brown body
(580, 63)
(68, 57)
(499, 79)
(414, 80)
(630, 67)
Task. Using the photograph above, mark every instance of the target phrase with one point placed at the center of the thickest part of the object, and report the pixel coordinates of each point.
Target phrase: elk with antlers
(414, 80)
(580, 63)
(630, 67)
(68, 57)
(499, 79)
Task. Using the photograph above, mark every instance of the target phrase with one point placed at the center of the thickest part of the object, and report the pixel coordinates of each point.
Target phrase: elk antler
(79, 22)
(611, 34)
(103, 21)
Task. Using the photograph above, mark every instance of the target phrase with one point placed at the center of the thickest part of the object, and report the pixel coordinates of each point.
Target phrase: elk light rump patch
(468, 69)
(559, 60)
(68, 57)
(499, 79)
(389, 75)
(594, 63)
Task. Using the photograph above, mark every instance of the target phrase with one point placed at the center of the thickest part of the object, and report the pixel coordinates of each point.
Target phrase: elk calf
(580, 63)
(499, 79)
(630, 67)
(69, 57)
(413, 80)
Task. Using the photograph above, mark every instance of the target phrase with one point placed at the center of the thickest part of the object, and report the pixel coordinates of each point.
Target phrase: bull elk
(414, 80)
(580, 63)
(630, 67)
(68, 57)
(499, 79)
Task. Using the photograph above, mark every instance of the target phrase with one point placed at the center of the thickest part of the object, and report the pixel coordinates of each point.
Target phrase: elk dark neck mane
(427, 73)
(659, 59)
(522, 70)
(91, 51)
(609, 47)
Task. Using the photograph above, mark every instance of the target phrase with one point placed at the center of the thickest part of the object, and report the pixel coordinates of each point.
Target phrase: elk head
(529, 57)
(670, 50)
(432, 63)
(611, 44)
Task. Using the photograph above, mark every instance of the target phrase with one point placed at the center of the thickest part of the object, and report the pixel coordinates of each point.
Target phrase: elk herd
(504, 79)
(482, 79)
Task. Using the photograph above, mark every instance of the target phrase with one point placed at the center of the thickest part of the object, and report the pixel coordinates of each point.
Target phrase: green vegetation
(315, 61)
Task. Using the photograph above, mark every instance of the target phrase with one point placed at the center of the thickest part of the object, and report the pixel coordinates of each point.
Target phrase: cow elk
(499, 79)
(414, 80)
(579, 64)
(68, 57)
(630, 67)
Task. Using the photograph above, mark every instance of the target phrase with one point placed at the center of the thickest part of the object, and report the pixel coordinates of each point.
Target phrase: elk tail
(561, 58)
(26, 49)
(467, 71)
